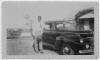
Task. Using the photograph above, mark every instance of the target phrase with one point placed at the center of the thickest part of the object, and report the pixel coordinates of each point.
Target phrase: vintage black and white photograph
(49, 28)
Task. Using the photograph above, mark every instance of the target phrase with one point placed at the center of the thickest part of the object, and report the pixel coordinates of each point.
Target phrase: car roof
(56, 22)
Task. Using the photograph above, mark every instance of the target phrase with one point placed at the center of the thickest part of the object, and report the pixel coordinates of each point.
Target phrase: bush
(13, 33)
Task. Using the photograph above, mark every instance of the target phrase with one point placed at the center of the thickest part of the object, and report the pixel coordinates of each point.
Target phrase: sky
(18, 14)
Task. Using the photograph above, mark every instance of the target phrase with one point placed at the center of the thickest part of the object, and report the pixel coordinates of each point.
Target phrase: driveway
(23, 46)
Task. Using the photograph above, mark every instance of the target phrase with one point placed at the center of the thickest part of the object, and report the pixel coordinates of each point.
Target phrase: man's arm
(43, 25)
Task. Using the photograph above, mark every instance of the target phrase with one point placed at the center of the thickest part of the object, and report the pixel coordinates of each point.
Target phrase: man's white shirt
(37, 27)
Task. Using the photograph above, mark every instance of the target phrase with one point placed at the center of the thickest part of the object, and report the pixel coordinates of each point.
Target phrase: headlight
(81, 40)
(87, 46)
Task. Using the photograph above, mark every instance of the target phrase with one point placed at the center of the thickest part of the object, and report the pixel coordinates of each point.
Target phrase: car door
(49, 37)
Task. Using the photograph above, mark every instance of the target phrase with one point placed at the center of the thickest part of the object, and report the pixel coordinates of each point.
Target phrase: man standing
(37, 30)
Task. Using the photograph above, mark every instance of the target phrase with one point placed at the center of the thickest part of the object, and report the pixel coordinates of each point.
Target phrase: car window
(66, 26)
(60, 26)
(47, 27)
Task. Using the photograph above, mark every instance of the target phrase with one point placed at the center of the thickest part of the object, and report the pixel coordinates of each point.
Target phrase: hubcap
(66, 50)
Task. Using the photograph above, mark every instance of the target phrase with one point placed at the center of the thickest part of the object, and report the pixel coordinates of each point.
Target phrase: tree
(27, 17)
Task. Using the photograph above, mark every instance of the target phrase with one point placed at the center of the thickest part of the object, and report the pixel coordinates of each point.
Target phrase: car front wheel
(67, 50)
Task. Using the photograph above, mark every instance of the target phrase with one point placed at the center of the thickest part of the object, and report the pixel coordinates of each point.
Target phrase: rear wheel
(67, 50)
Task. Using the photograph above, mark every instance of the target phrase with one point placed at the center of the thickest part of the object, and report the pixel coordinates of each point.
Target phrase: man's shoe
(41, 51)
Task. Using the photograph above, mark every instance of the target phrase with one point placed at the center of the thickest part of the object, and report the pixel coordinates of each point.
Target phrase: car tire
(67, 50)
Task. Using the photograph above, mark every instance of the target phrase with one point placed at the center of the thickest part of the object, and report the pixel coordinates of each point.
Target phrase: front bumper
(90, 51)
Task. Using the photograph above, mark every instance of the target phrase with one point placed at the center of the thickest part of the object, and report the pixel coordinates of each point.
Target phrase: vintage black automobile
(60, 38)
(66, 42)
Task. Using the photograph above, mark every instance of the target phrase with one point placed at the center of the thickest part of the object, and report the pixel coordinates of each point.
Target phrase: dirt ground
(23, 46)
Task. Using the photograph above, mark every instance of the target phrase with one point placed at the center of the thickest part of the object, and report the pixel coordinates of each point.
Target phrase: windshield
(60, 26)
(47, 27)
(65, 26)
